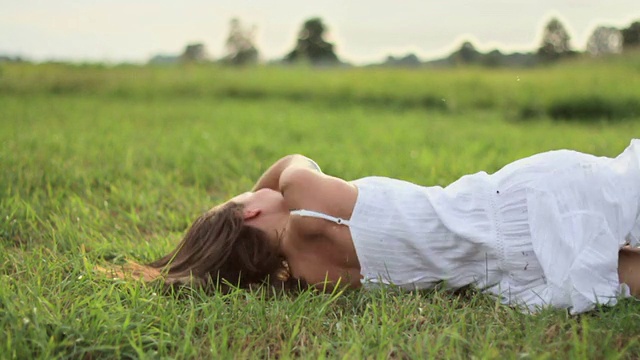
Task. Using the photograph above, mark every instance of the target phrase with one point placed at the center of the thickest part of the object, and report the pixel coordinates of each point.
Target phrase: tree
(467, 54)
(631, 36)
(604, 40)
(409, 60)
(195, 52)
(311, 45)
(240, 45)
(555, 41)
(494, 58)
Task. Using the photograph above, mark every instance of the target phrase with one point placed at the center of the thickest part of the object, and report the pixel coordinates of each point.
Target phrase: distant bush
(530, 111)
(593, 107)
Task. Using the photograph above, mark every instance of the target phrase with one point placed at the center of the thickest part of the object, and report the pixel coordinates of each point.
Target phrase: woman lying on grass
(548, 230)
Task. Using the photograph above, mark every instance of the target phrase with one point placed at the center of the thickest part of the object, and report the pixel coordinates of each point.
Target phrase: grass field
(104, 164)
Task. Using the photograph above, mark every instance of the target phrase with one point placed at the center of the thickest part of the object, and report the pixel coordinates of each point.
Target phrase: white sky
(362, 30)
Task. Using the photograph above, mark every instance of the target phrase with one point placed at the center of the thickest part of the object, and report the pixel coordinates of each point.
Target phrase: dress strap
(316, 214)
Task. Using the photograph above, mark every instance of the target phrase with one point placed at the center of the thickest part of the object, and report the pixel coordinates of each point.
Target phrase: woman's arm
(271, 178)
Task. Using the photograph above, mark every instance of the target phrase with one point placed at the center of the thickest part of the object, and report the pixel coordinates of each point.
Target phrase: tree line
(312, 48)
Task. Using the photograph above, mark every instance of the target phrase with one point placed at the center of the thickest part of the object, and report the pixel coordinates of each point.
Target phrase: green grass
(560, 91)
(102, 164)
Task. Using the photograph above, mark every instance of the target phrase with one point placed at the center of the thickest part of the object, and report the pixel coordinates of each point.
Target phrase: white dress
(542, 231)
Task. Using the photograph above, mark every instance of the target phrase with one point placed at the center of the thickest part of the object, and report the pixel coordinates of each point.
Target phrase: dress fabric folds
(542, 231)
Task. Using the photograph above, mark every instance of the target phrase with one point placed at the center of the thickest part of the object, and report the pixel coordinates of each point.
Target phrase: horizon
(362, 31)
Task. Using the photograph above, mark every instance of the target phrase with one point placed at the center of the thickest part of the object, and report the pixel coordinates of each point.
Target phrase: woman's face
(268, 201)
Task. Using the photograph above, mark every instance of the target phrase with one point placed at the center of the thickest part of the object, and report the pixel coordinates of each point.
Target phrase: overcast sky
(363, 30)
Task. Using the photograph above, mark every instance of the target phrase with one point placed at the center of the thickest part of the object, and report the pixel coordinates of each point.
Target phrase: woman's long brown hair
(219, 251)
